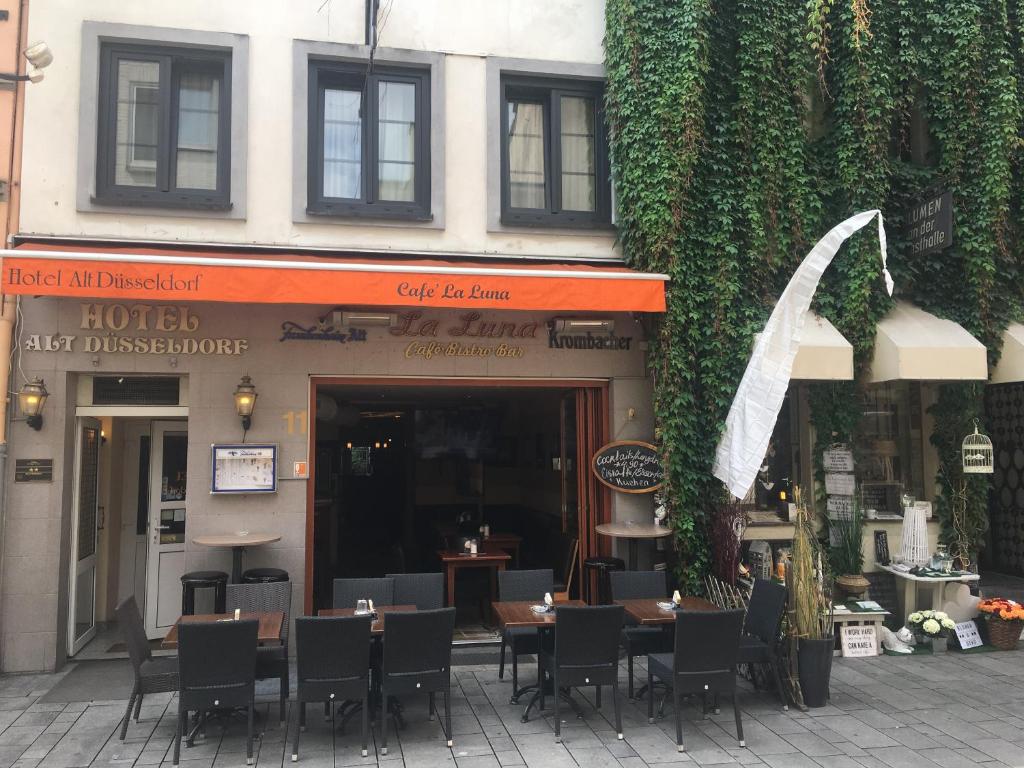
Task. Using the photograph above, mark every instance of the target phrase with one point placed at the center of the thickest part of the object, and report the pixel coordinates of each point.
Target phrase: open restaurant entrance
(406, 469)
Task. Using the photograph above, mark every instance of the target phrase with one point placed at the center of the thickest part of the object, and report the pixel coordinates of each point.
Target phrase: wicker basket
(1004, 634)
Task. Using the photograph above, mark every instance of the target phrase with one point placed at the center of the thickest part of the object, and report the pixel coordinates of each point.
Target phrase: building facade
(406, 246)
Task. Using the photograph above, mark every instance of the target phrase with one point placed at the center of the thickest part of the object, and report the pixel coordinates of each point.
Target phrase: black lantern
(31, 400)
(245, 400)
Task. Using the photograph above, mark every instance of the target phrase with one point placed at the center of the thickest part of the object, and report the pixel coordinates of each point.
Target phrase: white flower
(940, 616)
(915, 618)
(928, 614)
(931, 627)
(948, 623)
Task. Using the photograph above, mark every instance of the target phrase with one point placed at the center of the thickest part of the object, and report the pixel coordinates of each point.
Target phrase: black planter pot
(814, 664)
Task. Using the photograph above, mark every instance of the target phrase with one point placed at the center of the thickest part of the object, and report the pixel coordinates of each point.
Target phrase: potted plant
(811, 610)
(1004, 621)
(846, 554)
(931, 628)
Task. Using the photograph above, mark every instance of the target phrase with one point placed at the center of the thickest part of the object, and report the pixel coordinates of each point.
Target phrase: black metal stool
(190, 582)
(264, 576)
(600, 567)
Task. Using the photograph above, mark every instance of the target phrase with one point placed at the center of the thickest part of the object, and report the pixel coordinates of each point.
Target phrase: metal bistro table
(521, 614)
(633, 532)
(237, 542)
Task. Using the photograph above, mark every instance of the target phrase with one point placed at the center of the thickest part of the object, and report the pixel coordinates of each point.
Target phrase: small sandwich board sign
(859, 641)
(967, 635)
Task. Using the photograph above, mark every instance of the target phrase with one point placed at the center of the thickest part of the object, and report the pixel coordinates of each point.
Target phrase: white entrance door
(135, 446)
(84, 536)
(165, 562)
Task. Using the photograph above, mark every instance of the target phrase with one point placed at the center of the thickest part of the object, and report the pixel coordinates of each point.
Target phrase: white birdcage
(914, 543)
(978, 456)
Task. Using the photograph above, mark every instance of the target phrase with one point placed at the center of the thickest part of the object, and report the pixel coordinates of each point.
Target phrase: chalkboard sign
(629, 466)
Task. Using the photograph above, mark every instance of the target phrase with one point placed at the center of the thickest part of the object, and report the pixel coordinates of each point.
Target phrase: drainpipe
(9, 223)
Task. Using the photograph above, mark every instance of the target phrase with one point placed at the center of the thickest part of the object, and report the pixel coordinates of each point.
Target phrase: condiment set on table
(548, 607)
(674, 605)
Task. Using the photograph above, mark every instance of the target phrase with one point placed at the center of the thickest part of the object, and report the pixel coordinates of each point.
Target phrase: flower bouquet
(928, 626)
(1004, 620)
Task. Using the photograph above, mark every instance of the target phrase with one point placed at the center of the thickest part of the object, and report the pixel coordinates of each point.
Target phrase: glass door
(165, 562)
(85, 533)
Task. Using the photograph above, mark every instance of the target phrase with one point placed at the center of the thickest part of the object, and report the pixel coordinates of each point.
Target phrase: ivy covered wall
(742, 130)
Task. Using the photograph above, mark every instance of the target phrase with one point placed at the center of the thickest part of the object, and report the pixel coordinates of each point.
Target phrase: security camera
(39, 55)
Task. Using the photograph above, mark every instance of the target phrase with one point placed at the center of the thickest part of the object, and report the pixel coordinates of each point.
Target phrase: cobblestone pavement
(947, 710)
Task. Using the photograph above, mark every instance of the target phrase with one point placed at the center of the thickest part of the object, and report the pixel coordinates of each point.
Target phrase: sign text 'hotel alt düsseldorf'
(116, 327)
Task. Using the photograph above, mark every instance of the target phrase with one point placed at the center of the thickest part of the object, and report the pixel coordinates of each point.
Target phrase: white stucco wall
(467, 32)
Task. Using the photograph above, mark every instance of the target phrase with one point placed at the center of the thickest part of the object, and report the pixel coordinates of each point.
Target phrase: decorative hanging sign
(629, 466)
(930, 223)
(978, 456)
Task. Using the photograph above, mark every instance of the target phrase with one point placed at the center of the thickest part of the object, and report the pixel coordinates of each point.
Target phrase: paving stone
(811, 745)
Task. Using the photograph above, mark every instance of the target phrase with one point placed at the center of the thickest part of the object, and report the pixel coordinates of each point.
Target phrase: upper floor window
(554, 166)
(164, 127)
(369, 141)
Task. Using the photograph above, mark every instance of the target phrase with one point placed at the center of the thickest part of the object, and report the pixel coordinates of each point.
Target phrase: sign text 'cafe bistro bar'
(344, 418)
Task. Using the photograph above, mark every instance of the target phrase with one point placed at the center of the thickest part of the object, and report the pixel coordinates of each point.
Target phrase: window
(164, 123)
(369, 134)
(554, 154)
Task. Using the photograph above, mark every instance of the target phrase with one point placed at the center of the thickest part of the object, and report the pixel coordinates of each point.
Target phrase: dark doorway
(404, 471)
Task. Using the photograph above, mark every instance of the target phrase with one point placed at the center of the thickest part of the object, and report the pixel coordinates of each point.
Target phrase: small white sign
(839, 507)
(837, 460)
(967, 635)
(839, 485)
(858, 642)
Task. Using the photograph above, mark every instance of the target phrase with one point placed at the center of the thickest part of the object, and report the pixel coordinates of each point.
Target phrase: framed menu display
(244, 468)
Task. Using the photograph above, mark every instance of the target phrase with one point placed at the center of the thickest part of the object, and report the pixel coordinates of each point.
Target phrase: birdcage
(977, 453)
(760, 558)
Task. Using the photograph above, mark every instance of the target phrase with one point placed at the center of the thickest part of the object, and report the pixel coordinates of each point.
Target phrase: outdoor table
(495, 559)
(520, 614)
(237, 542)
(510, 542)
(645, 611)
(377, 627)
(633, 532)
(937, 583)
(269, 630)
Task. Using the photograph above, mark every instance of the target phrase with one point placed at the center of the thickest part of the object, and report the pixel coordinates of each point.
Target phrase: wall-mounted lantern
(245, 401)
(31, 400)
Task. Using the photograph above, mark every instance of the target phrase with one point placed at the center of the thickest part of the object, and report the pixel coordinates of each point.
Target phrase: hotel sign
(111, 328)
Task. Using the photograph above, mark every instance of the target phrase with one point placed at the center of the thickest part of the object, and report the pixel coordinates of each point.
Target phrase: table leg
(909, 597)
(545, 684)
(236, 565)
(451, 585)
(633, 546)
(938, 595)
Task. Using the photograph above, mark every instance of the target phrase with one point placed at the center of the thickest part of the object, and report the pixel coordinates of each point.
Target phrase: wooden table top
(487, 556)
(633, 530)
(246, 539)
(646, 611)
(519, 614)
(377, 627)
(269, 630)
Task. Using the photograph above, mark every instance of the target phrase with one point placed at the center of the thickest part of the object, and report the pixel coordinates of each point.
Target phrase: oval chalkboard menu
(629, 466)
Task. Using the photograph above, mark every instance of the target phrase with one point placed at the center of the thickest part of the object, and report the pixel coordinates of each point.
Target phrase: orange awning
(145, 274)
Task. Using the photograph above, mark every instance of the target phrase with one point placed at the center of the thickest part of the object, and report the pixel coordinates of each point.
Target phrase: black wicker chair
(158, 675)
(514, 586)
(637, 640)
(707, 648)
(417, 659)
(217, 666)
(348, 591)
(271, 661)
(333, 664)
(424, 590)
(759, 643)
(586, 652)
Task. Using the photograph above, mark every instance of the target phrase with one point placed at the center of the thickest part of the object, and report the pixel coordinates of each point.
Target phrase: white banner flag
(748, 428)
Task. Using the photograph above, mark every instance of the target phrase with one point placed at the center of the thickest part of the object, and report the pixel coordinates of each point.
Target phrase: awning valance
(824, 353)
(912, 344)
(1010, 367)
(141, 274)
